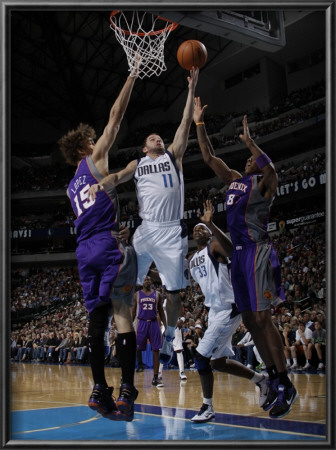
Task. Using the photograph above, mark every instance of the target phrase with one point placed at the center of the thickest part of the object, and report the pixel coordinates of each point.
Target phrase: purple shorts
(148, 330)
(107, 269)
(256, 277)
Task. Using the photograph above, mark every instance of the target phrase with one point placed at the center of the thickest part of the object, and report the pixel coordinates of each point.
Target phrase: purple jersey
(255, 268)
(107, 266)
(247, 211)
(93, 216)
(147, 306)
(148, 327)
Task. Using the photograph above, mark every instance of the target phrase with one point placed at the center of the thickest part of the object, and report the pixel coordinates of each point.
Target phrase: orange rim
(171, 26)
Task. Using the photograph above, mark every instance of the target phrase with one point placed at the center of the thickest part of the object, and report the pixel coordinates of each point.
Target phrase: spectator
(192, 339)
(82, 350)
(41, 350)
(28, 351)
(21, 346)
(13, 346)
(307, 320)
(244, 349)
(303, 337)
(319, 342)
(188, 339)
(63, 347)
(49, 347)
(288, 337)
(70, 344)
(75, 347)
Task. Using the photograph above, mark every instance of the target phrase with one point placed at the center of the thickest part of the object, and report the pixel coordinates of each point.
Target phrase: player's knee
(220, 364)
(202, 364)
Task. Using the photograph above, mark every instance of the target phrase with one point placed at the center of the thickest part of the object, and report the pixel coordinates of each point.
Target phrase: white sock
(180, 361)
(207, 401)
(294, 360)
(160, 369)
(257, 377)
(288, 361)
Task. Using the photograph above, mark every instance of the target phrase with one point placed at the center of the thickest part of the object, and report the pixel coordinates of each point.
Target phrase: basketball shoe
(262, 385)
(205, 414)
(101, 400)
(166, 352)
(157, 382)
(183, 376)
(285, 401)
(125, 402)
(272, 394)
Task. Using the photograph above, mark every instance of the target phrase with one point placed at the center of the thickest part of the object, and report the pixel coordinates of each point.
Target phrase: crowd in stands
(50, 301)
(56, 219)
(298, 105)
(35, 178)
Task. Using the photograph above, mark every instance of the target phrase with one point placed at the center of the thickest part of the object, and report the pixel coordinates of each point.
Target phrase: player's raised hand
(208, 212)
(245, 137)
(192, 80)
(198, 110)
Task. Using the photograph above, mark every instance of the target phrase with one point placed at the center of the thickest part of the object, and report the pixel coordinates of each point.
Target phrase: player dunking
(106, 264)
(147, 307)
(162, 235)
(210, 268)
(256, 277)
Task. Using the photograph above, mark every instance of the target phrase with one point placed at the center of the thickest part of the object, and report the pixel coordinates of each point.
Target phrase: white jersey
(214, 280)
(160, 189)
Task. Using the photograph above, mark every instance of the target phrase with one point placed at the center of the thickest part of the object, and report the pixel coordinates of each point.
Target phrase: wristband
(199, 123)
(263, 160)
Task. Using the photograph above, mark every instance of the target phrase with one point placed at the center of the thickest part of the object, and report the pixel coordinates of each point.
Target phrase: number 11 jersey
(159, 188)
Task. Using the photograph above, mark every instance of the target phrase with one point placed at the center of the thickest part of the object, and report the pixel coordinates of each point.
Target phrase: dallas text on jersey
(197, 261)
(161, 167)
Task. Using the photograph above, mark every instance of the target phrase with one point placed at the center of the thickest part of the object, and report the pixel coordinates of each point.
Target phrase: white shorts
(162, 243)
(177, 342)
(217, 338)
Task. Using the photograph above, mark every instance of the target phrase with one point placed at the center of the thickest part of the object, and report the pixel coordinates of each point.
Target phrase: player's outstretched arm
(269, 181)
(113, 180)
(179, 145)
(106, 140)
(223, 245)
(221, 169)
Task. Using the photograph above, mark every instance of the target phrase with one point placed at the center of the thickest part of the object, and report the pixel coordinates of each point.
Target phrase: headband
(204, 226)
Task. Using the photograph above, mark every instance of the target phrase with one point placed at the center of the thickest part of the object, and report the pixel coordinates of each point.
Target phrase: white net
(142, 36)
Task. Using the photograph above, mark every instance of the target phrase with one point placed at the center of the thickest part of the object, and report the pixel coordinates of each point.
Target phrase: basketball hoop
(142, 36)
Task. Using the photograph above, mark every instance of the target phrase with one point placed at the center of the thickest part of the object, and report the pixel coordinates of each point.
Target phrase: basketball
(192, 53)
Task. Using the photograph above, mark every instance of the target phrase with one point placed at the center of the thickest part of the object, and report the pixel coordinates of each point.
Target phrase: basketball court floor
(49, 403)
